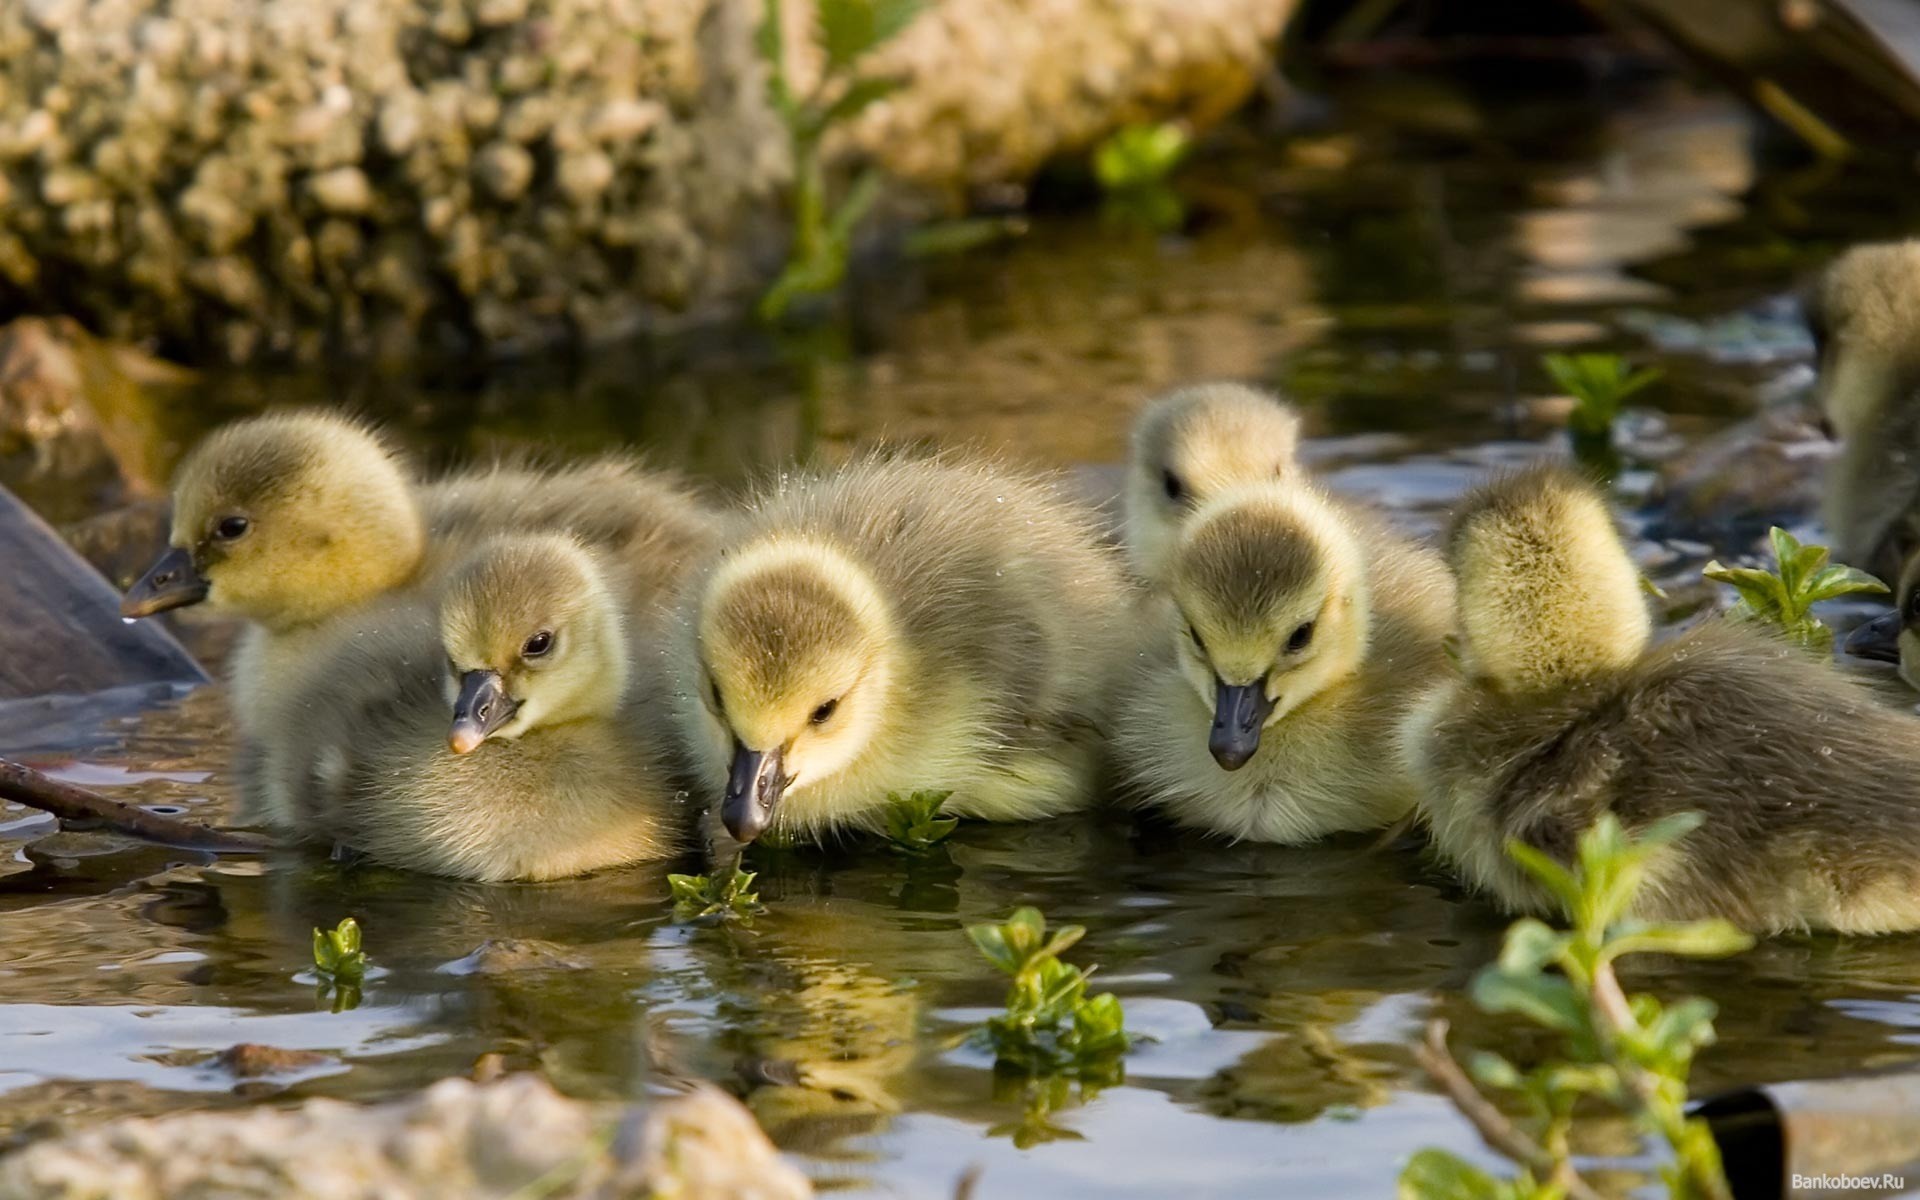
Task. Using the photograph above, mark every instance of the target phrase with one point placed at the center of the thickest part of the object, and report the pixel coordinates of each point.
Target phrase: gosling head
(1547, 591)
(534, 637)
(1863, 315)
(1895, 636)
(797, 662)
(1187, 447)
(284, 519)
(1271, 595)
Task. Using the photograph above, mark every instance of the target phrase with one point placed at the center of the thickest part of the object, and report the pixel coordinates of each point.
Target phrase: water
(1403, 303)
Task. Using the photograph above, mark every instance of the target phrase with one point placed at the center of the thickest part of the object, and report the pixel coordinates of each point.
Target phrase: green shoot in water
(341, 963)
(1050, 1026)
(914, 823)
(1133, 167)
(727, 893)
(1785, 596)
(845, 31)
(1631, 1053)
(1599, 385)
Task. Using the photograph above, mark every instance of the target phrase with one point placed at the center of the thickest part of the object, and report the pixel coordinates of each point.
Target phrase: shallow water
(1402, 300)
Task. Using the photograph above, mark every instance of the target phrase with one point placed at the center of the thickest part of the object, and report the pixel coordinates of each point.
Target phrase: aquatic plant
(1785, 596)
(341, 965)
(1632, 1053)
(914, 823)
(1133, 166)
(845, 31)
(1051, 1025)
(728, 893)
(1599, 385)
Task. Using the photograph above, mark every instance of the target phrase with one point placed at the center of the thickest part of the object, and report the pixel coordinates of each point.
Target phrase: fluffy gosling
(501, 737)
(1294, 631)
(901, 624)
(1865, 316)
(1563, 711)
(1188, 446)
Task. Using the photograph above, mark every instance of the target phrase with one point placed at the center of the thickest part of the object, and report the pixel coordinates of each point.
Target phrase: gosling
(1294, 632)
(1564, 711)
(1894, 636)
(540, 766)
(902, 624)
(1189, 445)
(1865, 316)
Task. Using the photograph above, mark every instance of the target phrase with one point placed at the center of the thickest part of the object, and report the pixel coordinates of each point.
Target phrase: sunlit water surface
(1398, 280)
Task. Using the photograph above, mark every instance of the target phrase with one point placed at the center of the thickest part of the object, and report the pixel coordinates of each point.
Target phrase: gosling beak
(171, 582)
(483, 706)
(1878, 640)
(754, 787)
(1239, 713)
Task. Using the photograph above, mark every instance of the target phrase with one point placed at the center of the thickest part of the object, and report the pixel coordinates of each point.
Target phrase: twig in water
(24, 785)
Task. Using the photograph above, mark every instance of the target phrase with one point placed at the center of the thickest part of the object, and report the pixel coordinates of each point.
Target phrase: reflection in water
(1402, 298)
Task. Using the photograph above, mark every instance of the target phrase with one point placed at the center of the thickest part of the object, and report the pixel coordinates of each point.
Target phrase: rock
(455, 1139)
(250, 1060)
(1765, 470)
(215, 183)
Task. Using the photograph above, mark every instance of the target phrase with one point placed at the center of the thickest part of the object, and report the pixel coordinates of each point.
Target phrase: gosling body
(1293, 634)
(1564, 711)
(1190, 445)
(901, 624)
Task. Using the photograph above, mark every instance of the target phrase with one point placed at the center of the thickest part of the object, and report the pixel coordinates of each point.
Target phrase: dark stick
(24, 785)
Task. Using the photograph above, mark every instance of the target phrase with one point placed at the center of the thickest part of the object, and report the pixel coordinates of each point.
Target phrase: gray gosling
(1563, 710)
(901, 624)
(1187, 447)
(1295, 632)
(1894, 636)
(1865, 316)
(498, 737)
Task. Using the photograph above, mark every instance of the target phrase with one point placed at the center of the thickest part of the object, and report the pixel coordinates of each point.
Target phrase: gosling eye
(825, 712)
(719, 705)
(1298, 639)
(1913, 604)
(1176, 490)
(232, 528)
(538, 645)
(1193, 635)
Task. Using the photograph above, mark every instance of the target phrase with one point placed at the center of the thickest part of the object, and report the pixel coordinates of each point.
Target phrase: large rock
(248, 177)
(457, 1140)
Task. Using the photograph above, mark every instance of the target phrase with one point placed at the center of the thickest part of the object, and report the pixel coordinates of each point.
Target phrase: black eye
(825, 712)
(719, 705)
(537, 645)
(1176, 491)
(1913, 604)
(231, 528)
(1194, 634)
(1298, 639)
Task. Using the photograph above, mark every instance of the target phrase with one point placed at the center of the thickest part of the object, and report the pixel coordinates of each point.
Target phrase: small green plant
(1630, 1052)
(1051, 1025)
(1133, 167)
(845, 31)
(728, 893)
(341, 964)
(1599, 385)
(1785, 596)
(914, 823)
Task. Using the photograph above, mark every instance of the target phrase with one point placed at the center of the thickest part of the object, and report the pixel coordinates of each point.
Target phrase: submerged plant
(729, 893)
(341, 964)
(1632, 1053)
(845, 32)
(914, 823)
(1051, 1025)
(1599, 385)
(1785, 596)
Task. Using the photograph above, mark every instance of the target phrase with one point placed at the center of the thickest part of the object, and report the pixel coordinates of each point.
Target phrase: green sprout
(845, 31)
(707, 895)
(914, 823)
(1632, 1053)
(1599, 384)
(1050, 1025)
(341, 964)
(1785, 596)
(1133, 167)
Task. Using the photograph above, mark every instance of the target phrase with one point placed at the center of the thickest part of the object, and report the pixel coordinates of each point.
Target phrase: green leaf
(992, 943)
(1139, 156)
(849, 29)
(1550, 874)
(1490, 1070)
(1830, 582)
(1547, 1000)
(859, 198)
(1529, 946)
(859, 96)
(1696, 939)
(1437, 1175)
(337, 954)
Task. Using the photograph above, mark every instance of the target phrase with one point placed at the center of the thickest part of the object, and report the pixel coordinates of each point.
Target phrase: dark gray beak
(483, 707)
(171, 582)
(1239, 714)
(1877, 640)
(754, 787)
